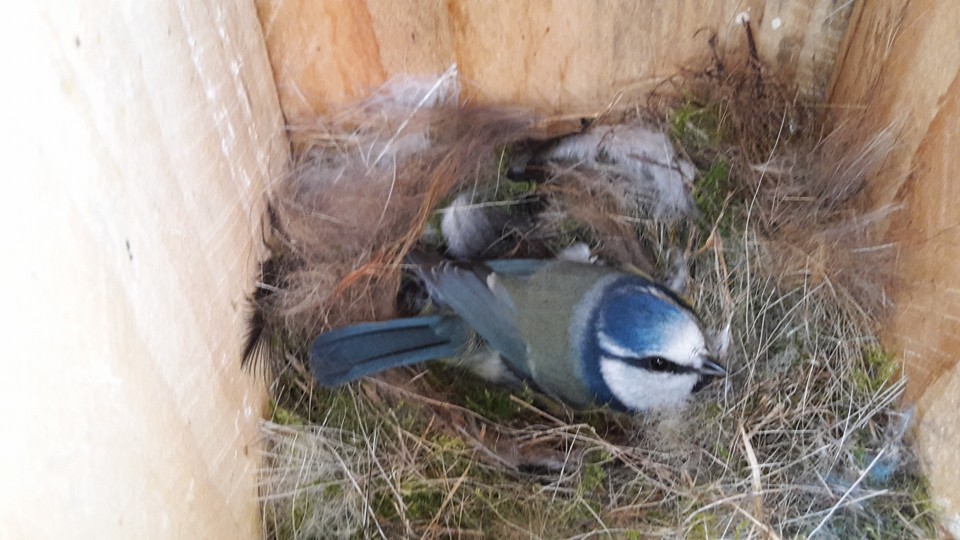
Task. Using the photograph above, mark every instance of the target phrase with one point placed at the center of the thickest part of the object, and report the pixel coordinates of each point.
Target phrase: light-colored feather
(640, 163)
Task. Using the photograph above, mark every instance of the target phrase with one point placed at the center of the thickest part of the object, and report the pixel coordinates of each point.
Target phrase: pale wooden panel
(552, 55)
(902, 67)
(136, 140)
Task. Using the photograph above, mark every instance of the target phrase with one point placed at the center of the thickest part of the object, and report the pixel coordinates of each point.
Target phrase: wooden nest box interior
(141, 139)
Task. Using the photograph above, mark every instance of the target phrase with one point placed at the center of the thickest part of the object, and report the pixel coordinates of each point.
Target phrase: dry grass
(805, 438)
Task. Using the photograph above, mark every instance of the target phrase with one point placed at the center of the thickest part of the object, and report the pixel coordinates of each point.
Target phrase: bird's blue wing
(472, 293)
(345, 354)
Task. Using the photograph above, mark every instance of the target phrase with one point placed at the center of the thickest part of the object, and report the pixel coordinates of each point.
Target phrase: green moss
(423, 502)
(516, 189)
(712, 411)
(876, 370)
(334, 407)
(285, 417)
(704, 528)
(490, 401)
(743, 530)
(721, 451)
(593, 476)
(696, 125)
(711, 190)
(384, 506)
(493, 403)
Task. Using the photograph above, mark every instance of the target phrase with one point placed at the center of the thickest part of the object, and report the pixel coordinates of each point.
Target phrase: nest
(804, 438)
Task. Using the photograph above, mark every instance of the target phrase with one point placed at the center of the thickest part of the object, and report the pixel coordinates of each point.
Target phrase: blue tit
(584, 334)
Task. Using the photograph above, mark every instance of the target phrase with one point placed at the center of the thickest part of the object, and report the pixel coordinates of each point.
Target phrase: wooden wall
(553, 55)
(137, 138)
(901, 66)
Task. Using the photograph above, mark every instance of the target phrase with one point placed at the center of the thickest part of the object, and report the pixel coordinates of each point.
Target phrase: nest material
(804, 438)
(354, 203)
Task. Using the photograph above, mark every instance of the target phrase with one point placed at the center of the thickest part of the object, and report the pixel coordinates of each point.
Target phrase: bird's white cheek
(643, 390)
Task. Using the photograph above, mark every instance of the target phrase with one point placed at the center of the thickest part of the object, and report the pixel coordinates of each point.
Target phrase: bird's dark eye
(659, 364)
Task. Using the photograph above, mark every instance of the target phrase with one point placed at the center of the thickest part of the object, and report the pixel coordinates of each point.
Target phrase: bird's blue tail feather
(346, 354)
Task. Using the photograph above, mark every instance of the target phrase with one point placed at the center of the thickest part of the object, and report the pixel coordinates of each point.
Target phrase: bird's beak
(709, 371)
(712, 369)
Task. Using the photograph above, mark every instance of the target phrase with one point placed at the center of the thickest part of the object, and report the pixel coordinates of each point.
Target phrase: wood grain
(137, 139)
(551, 55)
(901, 68)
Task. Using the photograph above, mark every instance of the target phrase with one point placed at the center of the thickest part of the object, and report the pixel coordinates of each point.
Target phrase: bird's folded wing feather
(473, 293)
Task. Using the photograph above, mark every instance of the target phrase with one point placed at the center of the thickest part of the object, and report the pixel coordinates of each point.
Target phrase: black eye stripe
(658, 364)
